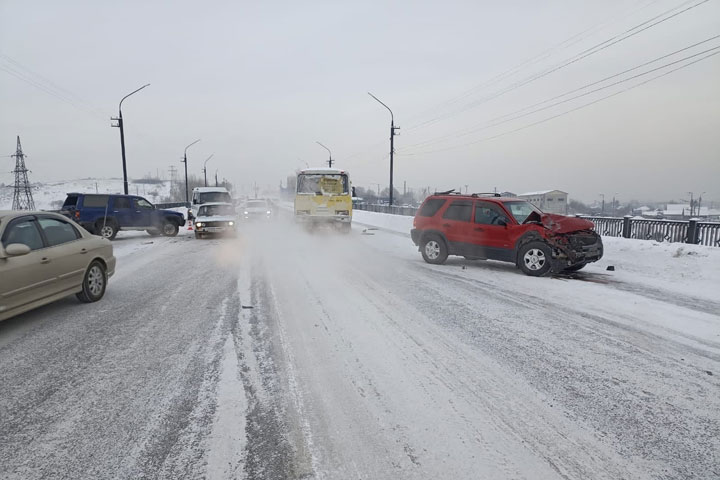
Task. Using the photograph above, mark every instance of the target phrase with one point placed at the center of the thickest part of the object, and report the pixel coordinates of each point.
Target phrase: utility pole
(184, 160)
(602, 211)
(22, 194)
(216, 181)
(330, 160)
(392, 148)
(205, 167)
(119, 121)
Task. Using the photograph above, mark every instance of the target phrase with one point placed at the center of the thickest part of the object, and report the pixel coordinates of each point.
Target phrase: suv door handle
(446, 225)
(479, 229)
(45, 260)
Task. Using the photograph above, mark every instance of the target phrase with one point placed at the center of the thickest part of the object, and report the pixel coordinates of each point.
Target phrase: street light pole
(392, 148)
(602, 212)
(205, 167)
(184, 160)
(330, 160)
(119, 119)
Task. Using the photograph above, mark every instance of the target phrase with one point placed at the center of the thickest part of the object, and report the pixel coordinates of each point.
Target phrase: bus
(323, 197)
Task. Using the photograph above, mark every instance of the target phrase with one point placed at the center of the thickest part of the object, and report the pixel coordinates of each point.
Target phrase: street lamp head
(131, 93)
(193, 143)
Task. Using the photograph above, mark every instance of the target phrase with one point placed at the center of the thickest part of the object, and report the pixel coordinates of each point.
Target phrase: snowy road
(286, 355)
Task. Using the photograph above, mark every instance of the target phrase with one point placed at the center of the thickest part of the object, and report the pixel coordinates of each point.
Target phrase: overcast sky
(261, 82)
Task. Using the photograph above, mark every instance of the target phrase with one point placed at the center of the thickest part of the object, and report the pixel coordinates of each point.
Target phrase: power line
(565, 112)
(578, 37)
(513, 115)
(578, 57)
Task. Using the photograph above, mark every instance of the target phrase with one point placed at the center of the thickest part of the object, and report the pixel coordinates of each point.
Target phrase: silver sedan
(45, 257)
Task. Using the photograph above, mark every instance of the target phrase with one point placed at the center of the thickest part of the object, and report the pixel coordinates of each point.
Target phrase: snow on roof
(209, 189)
(541, 192)
(323, 170)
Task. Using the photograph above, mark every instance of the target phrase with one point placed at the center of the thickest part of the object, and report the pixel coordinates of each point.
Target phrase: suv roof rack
(447, 192)
(486, 194)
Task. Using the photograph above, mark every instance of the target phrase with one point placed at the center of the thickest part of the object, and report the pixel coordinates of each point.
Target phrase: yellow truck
(323, 196)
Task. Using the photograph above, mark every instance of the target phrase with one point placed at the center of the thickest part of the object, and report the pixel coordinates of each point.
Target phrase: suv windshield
(208, 197)
(324, 184)
(216, 210)
(521, 209)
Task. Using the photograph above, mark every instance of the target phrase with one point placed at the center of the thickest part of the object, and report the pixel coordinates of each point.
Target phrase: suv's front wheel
(535, 258)
(170, 229)
(434, 250)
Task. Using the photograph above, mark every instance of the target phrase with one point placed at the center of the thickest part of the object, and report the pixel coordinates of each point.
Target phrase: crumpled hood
(216, 218)
(563, 224)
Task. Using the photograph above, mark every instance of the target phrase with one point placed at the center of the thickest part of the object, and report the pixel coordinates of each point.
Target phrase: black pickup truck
(105, 215)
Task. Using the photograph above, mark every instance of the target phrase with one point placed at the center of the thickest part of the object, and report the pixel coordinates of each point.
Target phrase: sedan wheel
(94, 283)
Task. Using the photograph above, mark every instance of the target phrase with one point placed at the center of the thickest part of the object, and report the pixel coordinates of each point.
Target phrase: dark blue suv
(105, 215)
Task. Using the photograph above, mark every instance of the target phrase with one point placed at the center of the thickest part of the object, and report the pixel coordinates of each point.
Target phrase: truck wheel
(106, 229)
(434, 250)
(153, 232)
(535, 259)
(170, 229)
(345, 227)
(94, 283)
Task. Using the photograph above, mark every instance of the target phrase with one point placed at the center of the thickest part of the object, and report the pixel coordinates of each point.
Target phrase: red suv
(488, 226)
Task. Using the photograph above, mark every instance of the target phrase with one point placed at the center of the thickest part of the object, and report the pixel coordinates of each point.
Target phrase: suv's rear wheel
(434, 250)
(535, 258)
(170, 229)
(106, 229)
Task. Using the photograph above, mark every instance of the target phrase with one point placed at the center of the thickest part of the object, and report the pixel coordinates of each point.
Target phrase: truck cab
(202, 195)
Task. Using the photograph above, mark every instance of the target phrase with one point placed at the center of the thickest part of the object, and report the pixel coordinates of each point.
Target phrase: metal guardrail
(172, 205)
(683, 231)
(691, 231)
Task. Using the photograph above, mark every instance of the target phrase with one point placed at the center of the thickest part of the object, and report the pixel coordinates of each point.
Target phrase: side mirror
(17, 249)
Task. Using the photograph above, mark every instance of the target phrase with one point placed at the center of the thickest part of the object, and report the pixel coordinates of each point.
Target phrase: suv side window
(93, 201)
(122, 203)
(431, 207)
(23, 230)
(57, 231)
(143, 204)
(460, 210)
(487, 213)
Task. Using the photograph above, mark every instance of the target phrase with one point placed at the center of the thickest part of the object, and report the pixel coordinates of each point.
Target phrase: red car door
(456, 225)
(490, 232)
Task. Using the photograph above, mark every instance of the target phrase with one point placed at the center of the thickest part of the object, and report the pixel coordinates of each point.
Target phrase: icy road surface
(288, 355)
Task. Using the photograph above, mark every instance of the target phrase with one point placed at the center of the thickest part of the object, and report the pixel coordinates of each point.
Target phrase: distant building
(550, 201)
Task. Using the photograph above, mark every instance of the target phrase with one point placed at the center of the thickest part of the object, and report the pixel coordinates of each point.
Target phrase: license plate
(214, 229)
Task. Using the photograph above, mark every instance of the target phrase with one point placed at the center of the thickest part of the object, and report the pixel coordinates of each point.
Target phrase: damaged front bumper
(577, 248)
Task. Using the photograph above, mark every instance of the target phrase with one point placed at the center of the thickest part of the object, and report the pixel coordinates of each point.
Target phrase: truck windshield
(216, 210)
(521, 209)
(207, 197)
(323, 184)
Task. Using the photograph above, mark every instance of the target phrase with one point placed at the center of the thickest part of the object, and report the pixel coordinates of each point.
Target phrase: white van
(201, 195)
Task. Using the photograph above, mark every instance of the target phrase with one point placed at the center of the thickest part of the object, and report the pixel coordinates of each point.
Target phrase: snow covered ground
(293, 354)
(47, 195)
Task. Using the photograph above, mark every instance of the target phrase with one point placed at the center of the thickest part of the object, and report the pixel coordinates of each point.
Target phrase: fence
(684, 231)
(172, 205)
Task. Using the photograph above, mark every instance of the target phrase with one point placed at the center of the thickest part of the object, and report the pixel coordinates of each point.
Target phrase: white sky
(261, 82)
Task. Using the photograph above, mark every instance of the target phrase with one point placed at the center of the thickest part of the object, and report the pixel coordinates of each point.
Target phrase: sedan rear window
(58, 232)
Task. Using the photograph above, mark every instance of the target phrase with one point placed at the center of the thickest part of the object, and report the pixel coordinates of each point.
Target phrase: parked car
(203, 195)
(508, 229)
(45, 257)
(257, 209)
(215, 219)
(105, 215)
